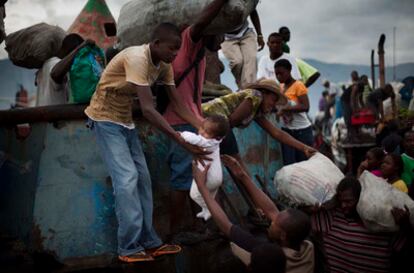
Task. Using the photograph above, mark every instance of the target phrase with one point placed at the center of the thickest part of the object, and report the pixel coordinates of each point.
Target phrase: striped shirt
(350, 247)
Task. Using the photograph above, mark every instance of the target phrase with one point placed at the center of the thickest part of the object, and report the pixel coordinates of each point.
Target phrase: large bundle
(2, 32)
(138, 18)
(308, 182)
(31, 47)
(376, 201)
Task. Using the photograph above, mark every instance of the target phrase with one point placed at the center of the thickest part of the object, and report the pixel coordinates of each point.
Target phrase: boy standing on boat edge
(129, 74)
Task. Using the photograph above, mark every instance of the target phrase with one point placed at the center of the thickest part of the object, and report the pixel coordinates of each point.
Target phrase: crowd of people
(201, 138)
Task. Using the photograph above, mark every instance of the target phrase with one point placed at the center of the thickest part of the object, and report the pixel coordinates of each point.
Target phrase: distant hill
(12, 76)
(340, 72)
(335, 73)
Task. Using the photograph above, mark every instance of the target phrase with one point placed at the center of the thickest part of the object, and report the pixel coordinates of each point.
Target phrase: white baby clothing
(214, 174)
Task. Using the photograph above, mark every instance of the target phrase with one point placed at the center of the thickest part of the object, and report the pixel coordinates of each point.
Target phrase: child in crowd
(408, 158)
(213, 129)
(391, 169)
(372, 162)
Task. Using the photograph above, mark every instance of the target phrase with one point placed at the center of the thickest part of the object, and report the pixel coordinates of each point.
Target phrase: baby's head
(214, 126)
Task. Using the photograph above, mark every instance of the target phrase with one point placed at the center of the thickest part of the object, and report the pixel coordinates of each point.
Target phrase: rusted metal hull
(56, 194)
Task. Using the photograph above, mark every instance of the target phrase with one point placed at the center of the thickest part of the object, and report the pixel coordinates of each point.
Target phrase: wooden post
(381, 63)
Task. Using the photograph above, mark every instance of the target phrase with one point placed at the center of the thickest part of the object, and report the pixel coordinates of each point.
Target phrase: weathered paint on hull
(57, 196)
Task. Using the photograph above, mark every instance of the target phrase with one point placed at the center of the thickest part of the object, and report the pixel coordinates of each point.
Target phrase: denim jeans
(179, 161)
(125, 161)
(290, 154)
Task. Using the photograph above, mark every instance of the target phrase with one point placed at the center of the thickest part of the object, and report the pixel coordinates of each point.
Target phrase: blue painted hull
(56, 195)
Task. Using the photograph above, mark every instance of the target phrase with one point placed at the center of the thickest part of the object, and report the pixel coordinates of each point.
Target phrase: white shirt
(211, 145)
(48, 91)
(297, 120)
(266, 67)
(214, 174)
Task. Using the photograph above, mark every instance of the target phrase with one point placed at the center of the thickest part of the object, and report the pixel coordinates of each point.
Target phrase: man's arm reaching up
(260, 199)
(216, 211)
(60, 69)
(205, 18)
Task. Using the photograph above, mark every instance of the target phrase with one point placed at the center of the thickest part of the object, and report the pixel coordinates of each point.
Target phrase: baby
(210, 134)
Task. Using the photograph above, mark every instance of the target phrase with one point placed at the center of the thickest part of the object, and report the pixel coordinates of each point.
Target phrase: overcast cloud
(336, 31)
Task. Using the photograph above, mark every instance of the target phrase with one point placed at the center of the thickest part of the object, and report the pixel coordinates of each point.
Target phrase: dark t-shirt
(376, 97)
(245, 239)
(346, 96)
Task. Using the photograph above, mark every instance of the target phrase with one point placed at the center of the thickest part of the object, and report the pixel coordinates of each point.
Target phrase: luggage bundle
(31, 47)
(376, 202)
(309, 182)
(138, 18)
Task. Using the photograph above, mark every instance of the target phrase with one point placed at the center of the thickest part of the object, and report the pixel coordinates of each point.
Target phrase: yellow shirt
(112, 101)
(400, 184)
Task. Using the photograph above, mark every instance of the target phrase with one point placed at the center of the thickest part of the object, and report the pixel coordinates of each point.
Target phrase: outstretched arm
(284, 137)
(180, 108)
(254, 16)
(216, 211)
(151, 115)
(205, 18)
(260, 199)
(242, 112)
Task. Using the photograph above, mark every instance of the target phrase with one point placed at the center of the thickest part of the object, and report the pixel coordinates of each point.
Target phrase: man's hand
(363, 166)
(200, 176)
(401, 216)
(234, 165)
(200, 154)
(260, 42)
(309, 151)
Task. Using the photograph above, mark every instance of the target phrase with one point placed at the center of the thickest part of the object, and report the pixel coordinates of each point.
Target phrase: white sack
(308, 182)
(138, 18)
(376, 201)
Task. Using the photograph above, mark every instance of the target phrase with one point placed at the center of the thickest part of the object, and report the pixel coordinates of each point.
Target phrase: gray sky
(336, 31)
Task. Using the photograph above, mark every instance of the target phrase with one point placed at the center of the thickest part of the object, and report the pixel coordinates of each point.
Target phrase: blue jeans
(179, 161)
(124, 158)
(290, 154)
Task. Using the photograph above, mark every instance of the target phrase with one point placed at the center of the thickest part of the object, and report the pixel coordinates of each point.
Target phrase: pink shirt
(377, 173)
(186, 56)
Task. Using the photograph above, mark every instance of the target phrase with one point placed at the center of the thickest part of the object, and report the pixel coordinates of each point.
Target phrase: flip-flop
(164, 250)
(141, 256)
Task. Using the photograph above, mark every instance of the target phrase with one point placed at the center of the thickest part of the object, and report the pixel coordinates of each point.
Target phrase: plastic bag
(85, 73)
(308, 182)
(31, 47)
(376, 201)
(138, 18)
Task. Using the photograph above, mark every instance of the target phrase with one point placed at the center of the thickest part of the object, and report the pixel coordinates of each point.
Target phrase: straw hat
(271, 86)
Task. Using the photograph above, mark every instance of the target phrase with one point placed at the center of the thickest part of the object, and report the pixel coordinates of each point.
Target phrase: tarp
(138, 18)
(91, 23)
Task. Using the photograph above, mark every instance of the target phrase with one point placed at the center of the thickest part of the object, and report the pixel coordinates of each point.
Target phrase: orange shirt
(296, 90)
(296, 120)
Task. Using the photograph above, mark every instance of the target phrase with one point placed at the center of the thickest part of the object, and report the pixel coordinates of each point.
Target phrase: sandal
(141, 256)
(164, 250)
